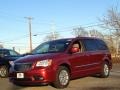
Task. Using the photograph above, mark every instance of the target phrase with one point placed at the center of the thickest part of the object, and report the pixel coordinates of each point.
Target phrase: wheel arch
(108, 62)
(67, 66)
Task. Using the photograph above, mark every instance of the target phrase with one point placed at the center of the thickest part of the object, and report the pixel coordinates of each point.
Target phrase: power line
(16, 18)
(16, 38)
(60, 30)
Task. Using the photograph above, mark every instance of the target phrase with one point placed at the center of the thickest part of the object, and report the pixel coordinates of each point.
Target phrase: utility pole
(30, 33)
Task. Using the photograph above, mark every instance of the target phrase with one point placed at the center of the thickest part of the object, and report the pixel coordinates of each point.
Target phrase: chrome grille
(22, 66)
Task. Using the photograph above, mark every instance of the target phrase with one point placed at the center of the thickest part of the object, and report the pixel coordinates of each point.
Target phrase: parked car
(57, 62)
(7, 57)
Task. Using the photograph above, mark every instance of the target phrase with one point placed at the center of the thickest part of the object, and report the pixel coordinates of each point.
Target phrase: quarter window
(90, 45)
(13, 53)
(101, 45)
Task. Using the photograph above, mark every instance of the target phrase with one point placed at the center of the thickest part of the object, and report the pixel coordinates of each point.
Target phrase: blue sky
(64, 13)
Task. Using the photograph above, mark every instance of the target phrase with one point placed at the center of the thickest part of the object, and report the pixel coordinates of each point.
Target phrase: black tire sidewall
(57, 81)
(103, 75)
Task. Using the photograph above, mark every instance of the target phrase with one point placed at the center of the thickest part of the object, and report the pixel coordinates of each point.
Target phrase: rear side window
(94, 44)
(101, 45)
(90, 45)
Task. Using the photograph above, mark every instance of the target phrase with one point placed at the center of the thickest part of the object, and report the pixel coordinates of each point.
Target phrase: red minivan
(57, 62)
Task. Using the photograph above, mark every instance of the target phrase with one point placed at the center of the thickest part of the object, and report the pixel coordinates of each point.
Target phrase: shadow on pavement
(14, 87)
(104, 88)
(22, 87)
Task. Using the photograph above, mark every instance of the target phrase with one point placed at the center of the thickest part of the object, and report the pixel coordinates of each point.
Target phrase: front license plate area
(20, 75)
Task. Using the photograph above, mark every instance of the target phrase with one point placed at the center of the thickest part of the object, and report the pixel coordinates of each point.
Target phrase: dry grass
(116, 58)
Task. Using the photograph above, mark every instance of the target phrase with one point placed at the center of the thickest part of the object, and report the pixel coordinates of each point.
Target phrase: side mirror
(74, 50)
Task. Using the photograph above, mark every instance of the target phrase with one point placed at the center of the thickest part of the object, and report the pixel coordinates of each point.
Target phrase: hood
(38, 57)
(9, 58)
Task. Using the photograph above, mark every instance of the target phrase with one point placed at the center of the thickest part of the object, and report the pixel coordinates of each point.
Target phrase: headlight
(11, 63)
(44, 63)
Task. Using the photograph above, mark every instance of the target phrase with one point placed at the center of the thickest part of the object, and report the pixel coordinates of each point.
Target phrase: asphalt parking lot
(86, 83)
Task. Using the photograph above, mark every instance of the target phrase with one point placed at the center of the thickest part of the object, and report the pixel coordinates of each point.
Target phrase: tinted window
(52, 46)
(4, 52)
(101, 45)
(90, 45)
(13, 53)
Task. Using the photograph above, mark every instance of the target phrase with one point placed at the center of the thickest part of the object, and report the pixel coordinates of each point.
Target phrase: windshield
(52, 47)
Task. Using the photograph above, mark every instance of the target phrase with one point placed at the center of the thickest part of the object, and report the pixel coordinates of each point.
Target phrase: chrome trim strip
(88, 65)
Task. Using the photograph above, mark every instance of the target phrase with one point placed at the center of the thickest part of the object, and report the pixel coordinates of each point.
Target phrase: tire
(105, 70)
(62, 78)
(3, 72)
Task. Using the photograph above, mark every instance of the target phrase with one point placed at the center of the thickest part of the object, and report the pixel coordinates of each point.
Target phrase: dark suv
(7, 57)
(57, 62)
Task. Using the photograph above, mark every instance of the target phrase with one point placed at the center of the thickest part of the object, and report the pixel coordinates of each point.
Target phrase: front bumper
(36, 76)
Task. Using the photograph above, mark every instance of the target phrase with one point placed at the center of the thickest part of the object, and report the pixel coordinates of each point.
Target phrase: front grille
(22, 66)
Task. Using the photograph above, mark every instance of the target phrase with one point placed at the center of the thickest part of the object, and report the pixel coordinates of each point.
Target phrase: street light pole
(30, 33)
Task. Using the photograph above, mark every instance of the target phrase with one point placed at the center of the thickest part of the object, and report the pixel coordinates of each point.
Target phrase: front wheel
(3, 71)
(105, 70)
(62, 77)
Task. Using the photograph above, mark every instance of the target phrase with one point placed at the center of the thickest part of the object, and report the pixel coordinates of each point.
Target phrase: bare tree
(80, 31)
(52, 36)
(112, 22)
(96, 33)
(109, 41)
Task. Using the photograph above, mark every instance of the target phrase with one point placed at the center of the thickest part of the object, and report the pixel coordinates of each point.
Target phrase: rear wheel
(62, 77)
(3, 71)
(105, 70)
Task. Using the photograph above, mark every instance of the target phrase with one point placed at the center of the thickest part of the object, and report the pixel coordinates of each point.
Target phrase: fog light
(41, 78)
(38, 78)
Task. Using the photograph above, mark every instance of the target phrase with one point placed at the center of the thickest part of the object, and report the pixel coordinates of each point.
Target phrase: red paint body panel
(80, 64)
(47, 74)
